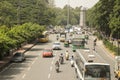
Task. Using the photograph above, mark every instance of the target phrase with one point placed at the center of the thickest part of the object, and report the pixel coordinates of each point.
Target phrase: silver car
(18, 57)
(56, 46)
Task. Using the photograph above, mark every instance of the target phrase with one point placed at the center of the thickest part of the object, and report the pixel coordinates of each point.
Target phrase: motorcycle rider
(57, 37)
(61, 58)
(72, 61)
(67, 55)
(57, 65)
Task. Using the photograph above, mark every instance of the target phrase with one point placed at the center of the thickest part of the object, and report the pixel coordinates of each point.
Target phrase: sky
(76, 3)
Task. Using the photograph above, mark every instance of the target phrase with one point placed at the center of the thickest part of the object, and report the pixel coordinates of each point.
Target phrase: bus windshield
(97, 71)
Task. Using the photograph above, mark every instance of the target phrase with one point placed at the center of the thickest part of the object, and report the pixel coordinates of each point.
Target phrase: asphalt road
(101, 53)
(38, 68)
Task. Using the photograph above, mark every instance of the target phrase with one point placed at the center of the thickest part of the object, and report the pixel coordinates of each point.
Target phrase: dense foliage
(62, 15)
(14, 37)
(104, 16)
(14, 12)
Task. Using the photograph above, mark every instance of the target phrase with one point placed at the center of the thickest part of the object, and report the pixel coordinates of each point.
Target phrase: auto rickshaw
(66, 44)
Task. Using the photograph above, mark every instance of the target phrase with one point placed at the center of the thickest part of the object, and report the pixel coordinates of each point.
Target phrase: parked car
(56, 46)
(47, 52)
(18, 57)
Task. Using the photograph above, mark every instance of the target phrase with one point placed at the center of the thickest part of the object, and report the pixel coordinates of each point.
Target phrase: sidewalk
(6, 60)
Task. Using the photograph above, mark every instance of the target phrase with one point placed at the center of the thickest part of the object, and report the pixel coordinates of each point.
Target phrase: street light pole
(68, 11)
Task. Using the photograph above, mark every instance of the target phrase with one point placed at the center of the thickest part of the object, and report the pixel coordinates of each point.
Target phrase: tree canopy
(104, 16)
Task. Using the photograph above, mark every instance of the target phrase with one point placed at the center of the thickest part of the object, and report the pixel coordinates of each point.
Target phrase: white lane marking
(24, 76)
(33, 62)
(6, 68)
(36, 58)
(49, 76)
(52, 62)
(29, 68)
(51, 68)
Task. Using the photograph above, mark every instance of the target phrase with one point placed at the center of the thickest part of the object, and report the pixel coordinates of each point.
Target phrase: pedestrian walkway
(6, 60)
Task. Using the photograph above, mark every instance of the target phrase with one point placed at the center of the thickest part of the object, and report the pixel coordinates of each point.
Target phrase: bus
(44, 37)
(117, 67)
(91, 67)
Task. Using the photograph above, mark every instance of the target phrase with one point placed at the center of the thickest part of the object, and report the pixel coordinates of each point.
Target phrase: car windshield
(97, 71)
(56, 43)
(47, 50)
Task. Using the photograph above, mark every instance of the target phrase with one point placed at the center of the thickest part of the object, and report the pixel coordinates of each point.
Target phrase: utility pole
(68, 12)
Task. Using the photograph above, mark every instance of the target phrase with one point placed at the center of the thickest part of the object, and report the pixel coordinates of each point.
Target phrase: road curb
(7, 63)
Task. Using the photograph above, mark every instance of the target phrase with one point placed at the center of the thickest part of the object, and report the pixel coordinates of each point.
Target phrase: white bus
(91, 67)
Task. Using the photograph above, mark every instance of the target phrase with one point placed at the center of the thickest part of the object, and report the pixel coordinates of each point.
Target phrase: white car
(56, 46)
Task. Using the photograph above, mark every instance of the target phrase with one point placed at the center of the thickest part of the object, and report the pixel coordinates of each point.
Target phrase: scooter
(67, 56)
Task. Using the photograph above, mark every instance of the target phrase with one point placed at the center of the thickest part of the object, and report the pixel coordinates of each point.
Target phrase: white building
(82, 17)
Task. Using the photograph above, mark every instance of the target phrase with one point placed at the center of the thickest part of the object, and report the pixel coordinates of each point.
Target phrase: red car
(47, 53)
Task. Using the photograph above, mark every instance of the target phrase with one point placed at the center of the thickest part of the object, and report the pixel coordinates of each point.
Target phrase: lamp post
(68, 12)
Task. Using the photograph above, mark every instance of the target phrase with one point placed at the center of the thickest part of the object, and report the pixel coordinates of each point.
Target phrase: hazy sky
(76, 3)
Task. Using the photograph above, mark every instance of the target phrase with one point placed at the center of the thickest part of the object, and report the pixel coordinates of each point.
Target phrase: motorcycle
(61, 60)
(72, 63)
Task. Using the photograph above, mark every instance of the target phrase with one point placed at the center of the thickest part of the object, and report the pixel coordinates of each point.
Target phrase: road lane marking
(29, 68)
(52, 62)
(6, 68)
(33, 62)
(49, 76)
(24, 76)
(36, 58)
(51, 68)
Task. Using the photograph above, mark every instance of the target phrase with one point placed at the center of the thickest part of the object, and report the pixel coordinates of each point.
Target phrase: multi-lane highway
(38, 68)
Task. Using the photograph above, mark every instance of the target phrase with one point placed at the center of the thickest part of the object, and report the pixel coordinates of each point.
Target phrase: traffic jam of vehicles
(87, 67)
(76, 48)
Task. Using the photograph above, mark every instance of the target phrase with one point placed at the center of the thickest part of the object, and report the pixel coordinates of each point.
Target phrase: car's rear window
(18, 54)
(56, 43)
